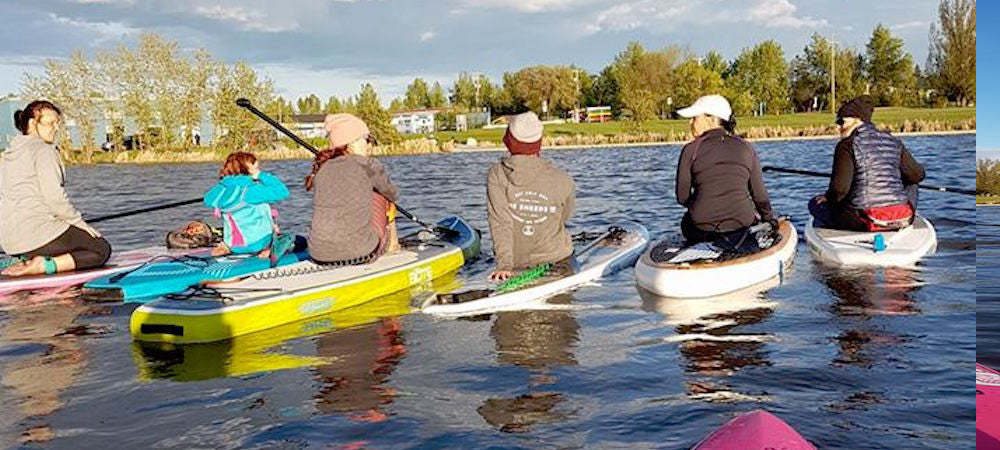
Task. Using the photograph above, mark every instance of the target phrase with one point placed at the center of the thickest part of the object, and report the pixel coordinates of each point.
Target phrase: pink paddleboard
(987, 408)
(118, 262)
(755, 430)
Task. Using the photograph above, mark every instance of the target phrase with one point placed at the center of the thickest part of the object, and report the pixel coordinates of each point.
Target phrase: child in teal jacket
(242, 198)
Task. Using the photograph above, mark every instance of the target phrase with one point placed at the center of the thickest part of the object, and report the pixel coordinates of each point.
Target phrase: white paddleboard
(854, 248)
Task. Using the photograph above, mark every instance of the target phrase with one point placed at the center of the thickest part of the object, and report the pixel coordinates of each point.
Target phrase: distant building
(415, 121)
(308, 125)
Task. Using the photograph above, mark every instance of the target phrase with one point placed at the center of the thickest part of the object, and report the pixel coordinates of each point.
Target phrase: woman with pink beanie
(353, 198)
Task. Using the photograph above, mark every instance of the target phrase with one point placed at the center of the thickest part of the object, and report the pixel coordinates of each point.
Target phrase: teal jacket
(244, 206)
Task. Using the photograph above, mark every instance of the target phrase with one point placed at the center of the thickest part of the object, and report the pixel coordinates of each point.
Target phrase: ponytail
(321, 158)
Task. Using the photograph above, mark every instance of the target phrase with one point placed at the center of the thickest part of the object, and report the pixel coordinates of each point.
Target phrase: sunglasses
(371, 139)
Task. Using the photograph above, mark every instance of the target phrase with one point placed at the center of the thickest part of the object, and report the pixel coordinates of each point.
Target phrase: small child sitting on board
(242, 199)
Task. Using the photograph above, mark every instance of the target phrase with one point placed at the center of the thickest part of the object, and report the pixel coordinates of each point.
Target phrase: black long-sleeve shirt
(719, 180)
(843, 171)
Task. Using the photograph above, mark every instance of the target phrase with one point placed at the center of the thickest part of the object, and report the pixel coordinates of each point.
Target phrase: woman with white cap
(719, 178)
(353, 198)
(529, 200)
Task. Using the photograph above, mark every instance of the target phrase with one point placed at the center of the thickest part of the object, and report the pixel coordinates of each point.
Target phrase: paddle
(245, 103)
(143, 210)
(823, 174)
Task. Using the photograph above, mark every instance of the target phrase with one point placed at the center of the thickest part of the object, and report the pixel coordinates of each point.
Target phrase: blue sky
(330, 47)
(988, 140)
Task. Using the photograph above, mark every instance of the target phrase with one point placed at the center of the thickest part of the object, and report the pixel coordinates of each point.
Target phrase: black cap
(860, 107)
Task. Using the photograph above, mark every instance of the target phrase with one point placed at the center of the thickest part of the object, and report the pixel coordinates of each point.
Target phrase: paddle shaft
(244, 103)
(824, 174)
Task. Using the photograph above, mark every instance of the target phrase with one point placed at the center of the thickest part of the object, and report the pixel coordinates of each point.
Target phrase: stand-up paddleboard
(705, 270)
(169, 276)
(119, 261)
(854, 248)
(301, 291)
(987, 408)
(756, 430)
(611, 251)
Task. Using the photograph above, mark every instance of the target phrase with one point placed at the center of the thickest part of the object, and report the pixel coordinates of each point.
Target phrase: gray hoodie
(34, 208)
(529, 202)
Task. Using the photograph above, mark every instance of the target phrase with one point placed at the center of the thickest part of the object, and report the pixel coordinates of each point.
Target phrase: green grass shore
(988, 200)
(617, 133)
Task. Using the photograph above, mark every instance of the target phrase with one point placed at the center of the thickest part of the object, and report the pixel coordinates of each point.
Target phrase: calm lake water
(878, 358)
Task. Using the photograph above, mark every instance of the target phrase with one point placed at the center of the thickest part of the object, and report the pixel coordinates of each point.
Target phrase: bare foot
(393, 247)
(266, 253)
(33, 266)
(220, 250)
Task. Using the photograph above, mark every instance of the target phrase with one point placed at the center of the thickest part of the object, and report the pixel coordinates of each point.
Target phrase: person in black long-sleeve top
(719, 178)
(875, 178)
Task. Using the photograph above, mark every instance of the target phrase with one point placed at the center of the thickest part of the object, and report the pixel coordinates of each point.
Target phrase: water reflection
(537, 341)
(861, 297)
(712, 337)
(42, 356)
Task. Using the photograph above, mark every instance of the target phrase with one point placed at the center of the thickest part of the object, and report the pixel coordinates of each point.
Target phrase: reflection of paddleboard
(264, 351)
(701, 270)
(615, 250)
(987, 408)
(119, 261)
(852, 248)
(704, 311)
(756, 430)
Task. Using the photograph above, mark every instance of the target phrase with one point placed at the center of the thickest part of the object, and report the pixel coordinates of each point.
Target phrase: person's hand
(820, 199)
(501, 275)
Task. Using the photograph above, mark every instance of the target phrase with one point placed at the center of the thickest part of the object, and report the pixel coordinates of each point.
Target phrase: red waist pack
(888, 218)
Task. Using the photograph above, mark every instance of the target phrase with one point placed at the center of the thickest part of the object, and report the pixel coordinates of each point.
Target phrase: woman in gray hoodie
(38, 224)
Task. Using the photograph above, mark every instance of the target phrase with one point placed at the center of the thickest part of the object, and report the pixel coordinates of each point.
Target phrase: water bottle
(879, 243)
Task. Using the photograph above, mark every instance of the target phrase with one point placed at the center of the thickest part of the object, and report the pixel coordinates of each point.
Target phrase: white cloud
(781, 14)
(247, 19)
(528, 6)
(908, 25)
(427, 35)
(104, 2)
(660, 16)
(105, 31)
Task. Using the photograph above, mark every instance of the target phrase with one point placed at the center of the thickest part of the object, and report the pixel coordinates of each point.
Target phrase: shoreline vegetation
(900, 121)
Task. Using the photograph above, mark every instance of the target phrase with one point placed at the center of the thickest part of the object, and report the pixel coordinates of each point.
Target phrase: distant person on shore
(529, 201)
(39, 226)
(875, 178)
(242, 199)
(353, 198)
(719, 178)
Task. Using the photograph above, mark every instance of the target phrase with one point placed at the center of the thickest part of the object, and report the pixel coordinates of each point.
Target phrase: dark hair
(32, 111)
(729, 125)
(237, 163)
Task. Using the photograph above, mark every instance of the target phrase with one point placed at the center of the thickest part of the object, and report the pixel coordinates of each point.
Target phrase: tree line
(156, 86)
(987, 177)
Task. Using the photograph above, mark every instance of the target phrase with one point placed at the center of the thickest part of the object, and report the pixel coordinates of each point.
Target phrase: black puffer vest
(877, 180)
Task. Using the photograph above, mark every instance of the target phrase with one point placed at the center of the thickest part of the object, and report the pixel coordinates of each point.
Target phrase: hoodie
(529, 202)
(244, 203)
(34, 207)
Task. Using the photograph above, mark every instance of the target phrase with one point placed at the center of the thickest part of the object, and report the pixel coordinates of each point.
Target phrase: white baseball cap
(712, 105)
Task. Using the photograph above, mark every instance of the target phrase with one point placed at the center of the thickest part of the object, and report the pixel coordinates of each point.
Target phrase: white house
(308, 125)
(415, 121)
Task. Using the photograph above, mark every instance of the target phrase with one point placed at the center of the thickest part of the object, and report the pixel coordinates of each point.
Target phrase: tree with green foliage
(714, 61)
(810, 75)
(606, 91)
(438, 99)
(72, 85)
(889, 70)
(238, 128)
(379, 121)
(693, 80)
(951, 62)
(333, 105)
(645, 79)
(546, 87)
(418, 95)
(762, 73)
(397, 104)
(280, 109)
(310, 104)
(987, 177)
(473, 92)
(196, 85)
